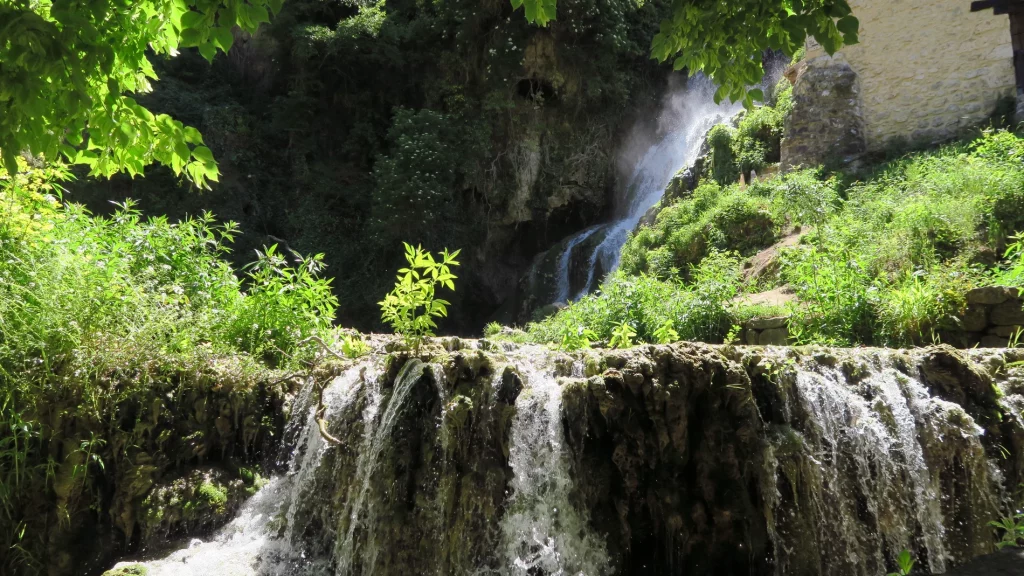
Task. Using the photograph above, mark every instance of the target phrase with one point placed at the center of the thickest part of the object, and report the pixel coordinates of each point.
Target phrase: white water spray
(543, 533)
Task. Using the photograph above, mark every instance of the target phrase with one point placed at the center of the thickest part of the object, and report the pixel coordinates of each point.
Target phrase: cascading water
(682, 124)
(543, 532)
(251, 543)
(868, 489)
(672, 460)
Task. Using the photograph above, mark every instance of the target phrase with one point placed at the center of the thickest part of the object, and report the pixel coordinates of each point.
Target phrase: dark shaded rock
(990, 295)
(1005, 331)
(1007, 562)
(1008, 313)
(991, 341)
(951, 375)
(975, 318)
(510, 386)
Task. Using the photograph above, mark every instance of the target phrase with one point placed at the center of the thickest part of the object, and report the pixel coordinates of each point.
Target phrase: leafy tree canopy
(725, 38)
(67, 65)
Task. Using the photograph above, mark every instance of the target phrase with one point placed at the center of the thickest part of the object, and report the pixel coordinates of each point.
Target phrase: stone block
(774, 337)
(994, 342)
(766, 323)
(1005, 331)
(990, 295)
(975, 318)
(751, 337)
(1008, 313)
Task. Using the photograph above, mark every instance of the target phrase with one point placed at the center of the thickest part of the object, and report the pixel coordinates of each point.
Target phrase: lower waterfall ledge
(474, 457)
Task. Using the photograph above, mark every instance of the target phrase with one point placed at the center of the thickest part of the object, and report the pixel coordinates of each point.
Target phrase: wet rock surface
(488, 458)
(1008, 562)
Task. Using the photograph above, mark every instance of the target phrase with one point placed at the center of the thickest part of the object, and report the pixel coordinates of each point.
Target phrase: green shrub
(721, 158)
(713, 218)
(410, 308)
(758, 138)
(833, 289)
(657, 310)
(799, 198)
(914, 309)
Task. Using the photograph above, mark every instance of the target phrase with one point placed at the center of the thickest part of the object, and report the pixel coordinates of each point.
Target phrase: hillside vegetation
(129, 350)
(884, 257)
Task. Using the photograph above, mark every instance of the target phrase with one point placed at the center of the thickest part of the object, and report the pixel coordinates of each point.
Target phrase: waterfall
(543, 532)
(377, 437)
(684, 120)
(251, 543)
(867, 487)
(512, 463)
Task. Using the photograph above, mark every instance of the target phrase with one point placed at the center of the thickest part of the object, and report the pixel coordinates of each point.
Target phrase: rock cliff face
(488, 458)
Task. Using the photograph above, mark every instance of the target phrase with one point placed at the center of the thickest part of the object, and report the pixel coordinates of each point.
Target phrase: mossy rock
(198, 501)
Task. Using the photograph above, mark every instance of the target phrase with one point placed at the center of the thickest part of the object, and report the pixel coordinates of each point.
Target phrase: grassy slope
(887, 260)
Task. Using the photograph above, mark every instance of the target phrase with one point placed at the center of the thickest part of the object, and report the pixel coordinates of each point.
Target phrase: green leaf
(756, 94)
(208, 51)
(222, 38)
(191, 20)
(192, 136)
(203, 154)
(848, 25)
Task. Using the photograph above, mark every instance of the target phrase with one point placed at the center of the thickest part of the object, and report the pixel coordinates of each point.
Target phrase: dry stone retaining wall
(994, 318)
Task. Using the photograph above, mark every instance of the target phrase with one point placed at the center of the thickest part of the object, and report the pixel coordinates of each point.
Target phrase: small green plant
(733, 336)
(1013, 275)
(666, 333)
(622, 336)
(1011, 529)
(353, 346)
(575, 337)
(905, 563)
(1011, 525)
(492, 329)
(412, 306)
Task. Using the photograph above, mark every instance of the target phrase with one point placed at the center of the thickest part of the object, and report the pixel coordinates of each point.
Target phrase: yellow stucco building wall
(926, 68)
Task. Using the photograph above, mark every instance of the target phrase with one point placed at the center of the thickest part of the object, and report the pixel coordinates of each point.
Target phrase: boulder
(990, 341)
(1005, 331)
(975, 318)
(774, 337)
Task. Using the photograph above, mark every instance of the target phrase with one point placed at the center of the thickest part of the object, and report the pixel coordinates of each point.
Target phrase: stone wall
(826, 123)
(994, 318)
(927, 68)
